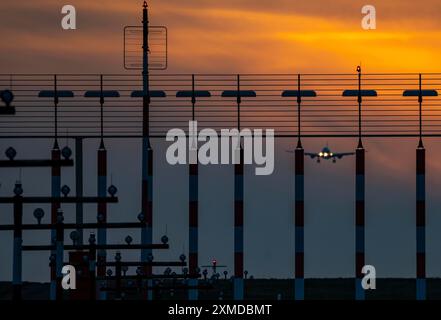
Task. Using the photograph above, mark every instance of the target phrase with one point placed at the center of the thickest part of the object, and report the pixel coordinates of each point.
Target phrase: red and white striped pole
(102, 192)
(193, 203)
(238, 227)
(102, 213)
(299, 282)
(421, 222)
(359, 221)
(421, 206)
(238, 210)
(55, 191)
(359, 202)
(299, 214)
(359, 190)
(420, 195)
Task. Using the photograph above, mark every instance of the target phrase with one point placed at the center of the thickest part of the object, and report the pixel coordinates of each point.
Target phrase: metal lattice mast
(147, 153)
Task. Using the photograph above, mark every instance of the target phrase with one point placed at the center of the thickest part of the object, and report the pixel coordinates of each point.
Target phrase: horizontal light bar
(301, 93)
(241, 94)
(152, 94)
(104, 94)
(52, 94)
(417, 93)
(191, 94)
(356, 93)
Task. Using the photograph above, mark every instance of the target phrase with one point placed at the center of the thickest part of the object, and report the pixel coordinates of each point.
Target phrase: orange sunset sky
(278, 36)
(250, 36)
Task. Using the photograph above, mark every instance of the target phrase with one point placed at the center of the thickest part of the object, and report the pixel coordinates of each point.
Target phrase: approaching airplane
(327, 154)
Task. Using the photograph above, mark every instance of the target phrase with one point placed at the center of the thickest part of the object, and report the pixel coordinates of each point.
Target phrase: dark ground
(268, 289)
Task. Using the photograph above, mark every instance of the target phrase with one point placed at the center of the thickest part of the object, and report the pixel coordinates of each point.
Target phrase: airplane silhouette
(327, 154)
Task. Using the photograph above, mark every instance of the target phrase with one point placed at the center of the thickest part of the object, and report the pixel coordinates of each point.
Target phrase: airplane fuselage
(326, 154)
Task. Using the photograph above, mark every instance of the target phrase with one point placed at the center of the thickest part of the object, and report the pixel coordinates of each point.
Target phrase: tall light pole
(147, 152)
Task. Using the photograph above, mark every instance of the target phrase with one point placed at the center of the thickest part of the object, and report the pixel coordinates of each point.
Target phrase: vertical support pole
(359, 202)
(59, 247)
(56, 187)
(102, 206)
(17, 258)
(299, 224)
(92, 266)
(79, 184)
(55, 191)
(146, 231)
(421, 210)
(118, 276)
(147, 157)
(139, 280)
(102, 214)
(238, 227)
(360, 222)
(193, 204)
(238, 211)
(421, 224)
(299, 282)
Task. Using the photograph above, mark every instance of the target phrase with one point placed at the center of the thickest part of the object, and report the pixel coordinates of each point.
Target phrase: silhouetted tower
(360, 184)
(238, 158)
(101, 94)
(359, 202)
(193, 187)
(102, 192)
(299, 283)
(299, 214)
(55, 189)
(420, 194)
(147, 152)
(55, 175)
(420, 207)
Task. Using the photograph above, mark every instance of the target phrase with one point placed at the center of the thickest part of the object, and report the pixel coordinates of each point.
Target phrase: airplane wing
(344, 154)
